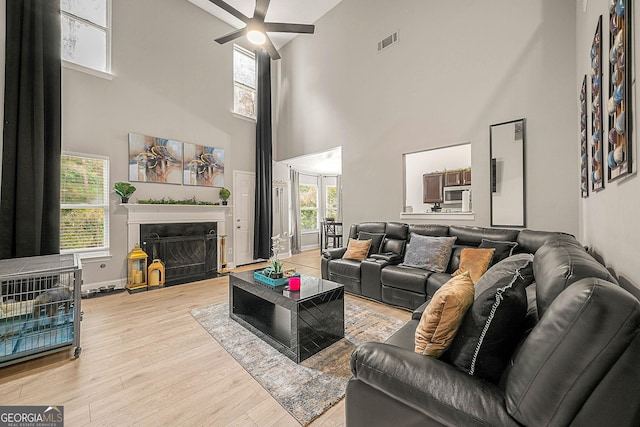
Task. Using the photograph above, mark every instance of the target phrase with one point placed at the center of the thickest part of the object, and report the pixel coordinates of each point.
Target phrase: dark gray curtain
(30, 192)
(263, 215)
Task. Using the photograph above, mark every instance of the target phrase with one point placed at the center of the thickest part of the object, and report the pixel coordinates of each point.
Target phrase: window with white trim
(84, 204)
(244, 82)
(86, 33)
(308, 207)
(331, 201)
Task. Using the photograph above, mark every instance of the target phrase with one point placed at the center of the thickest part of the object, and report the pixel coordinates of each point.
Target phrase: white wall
(459, 67)
(171, 80)
(608, 218)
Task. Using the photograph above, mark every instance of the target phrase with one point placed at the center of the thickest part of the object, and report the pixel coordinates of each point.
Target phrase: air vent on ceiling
(388, 41)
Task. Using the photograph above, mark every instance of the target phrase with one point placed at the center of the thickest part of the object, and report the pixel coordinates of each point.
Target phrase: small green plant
(124, 189)
(224, 194)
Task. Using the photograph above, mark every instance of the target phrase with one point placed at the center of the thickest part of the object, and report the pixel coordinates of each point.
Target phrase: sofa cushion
(443, 316)
(406, 278)
(502, 249)
(397, 230)
(357, 250)
(376, 241)
(491, 329)
(558, 264)
(429, 253)
(520, 264)
(475, 261)
(428, 230)
(345, 268)
(370, 227)
(472, 236)
(531, 240)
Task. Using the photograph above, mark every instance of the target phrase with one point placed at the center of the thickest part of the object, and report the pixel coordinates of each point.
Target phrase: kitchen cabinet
(466, 177)
(452, 179)
(432, 184)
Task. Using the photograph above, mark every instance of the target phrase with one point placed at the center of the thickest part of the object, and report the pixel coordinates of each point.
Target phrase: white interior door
(244, 184)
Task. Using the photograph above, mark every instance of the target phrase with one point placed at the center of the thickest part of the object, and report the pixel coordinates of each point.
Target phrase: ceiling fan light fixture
(256, 37)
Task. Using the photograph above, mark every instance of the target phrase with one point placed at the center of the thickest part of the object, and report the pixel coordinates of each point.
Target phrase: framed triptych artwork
(596, 134)
(584, 158)
(619, 101)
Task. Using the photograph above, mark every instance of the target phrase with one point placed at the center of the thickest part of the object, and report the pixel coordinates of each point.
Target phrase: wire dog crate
(40, 311)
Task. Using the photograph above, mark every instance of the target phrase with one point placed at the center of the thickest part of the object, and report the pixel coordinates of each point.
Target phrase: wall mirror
(506, 150)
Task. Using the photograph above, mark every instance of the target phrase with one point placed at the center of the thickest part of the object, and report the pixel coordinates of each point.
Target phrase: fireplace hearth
(188, 250)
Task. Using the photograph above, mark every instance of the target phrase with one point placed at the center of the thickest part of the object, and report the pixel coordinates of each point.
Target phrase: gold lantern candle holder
(137, 269)
(156, 274)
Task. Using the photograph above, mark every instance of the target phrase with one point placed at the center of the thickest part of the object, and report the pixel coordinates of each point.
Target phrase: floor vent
(388, 41)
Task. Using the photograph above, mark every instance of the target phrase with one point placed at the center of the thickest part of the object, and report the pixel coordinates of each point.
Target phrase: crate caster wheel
(77, 352)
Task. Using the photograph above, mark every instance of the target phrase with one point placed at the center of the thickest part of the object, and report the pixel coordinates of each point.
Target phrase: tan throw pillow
(442, 317)
(357, 249)
(475, 261)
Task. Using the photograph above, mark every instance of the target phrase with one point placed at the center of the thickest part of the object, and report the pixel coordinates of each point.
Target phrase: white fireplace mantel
(161, 214)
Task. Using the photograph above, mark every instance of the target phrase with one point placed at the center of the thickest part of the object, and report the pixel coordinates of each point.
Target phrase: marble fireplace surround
(161, 214)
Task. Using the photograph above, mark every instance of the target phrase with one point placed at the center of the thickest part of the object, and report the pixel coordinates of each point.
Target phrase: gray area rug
(308, 389)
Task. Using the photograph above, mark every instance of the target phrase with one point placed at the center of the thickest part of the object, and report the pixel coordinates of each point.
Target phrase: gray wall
(459, 67)
(609, 218)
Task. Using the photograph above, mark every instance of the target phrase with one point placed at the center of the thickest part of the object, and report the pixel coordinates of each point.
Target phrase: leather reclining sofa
(576, 363)
(382, 277)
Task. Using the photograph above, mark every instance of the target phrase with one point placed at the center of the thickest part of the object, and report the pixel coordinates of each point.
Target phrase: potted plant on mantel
(224, 195)
(124, 190)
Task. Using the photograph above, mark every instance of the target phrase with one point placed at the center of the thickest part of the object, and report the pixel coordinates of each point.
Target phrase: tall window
(331, 201)
(86, 33)
(244, 82)
(308, 207)
(84, 204)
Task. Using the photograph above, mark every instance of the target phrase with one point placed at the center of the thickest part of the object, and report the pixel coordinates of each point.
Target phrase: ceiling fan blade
(261, 10)
(271, 49)
(232, 36)
(281, 27)
(224, 6)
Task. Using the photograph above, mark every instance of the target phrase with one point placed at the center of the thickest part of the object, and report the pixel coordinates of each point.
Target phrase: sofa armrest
(429, 385)
(389, 257)
(417, 313)
(334, 253)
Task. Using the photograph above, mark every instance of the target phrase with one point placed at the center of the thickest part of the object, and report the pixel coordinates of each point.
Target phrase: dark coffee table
(297, 323)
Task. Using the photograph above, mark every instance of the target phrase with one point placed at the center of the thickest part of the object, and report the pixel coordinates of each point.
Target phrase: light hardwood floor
(146, 361)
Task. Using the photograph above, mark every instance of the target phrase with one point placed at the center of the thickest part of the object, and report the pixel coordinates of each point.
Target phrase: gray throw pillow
(523, 263)
(376, 240)
(429, 253)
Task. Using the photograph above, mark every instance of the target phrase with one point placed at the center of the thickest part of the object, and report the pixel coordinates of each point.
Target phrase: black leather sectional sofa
(381, 277)
(576, 364)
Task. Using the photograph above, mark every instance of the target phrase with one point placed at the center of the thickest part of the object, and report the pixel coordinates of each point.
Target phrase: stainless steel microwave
(453, 195)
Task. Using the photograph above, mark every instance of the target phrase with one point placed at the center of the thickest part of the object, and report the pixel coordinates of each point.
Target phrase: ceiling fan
(256, 29)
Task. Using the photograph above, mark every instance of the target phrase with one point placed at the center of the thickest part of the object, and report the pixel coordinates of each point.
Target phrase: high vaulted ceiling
(290, 11)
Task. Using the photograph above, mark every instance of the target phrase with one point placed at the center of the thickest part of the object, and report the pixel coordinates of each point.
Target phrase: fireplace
(206, 224)
(188, 250)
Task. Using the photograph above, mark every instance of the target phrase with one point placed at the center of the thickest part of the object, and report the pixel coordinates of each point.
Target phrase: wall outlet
(230, 251)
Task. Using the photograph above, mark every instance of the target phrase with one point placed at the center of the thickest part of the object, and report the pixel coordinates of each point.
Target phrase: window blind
(84, 203)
